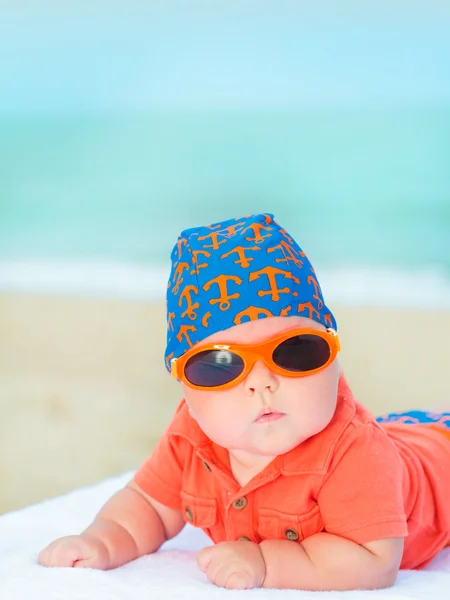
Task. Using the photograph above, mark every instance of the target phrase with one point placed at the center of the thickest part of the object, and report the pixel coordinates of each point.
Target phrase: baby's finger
(59, 556)
(91, 562)
(226, 576)
(238, 581)
(94, 557)
(204, 558)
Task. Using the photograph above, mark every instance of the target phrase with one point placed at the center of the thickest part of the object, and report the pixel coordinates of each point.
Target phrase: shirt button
(291, 534)
(240, 503)
(207, 467)
(244, 538)
(189, 514)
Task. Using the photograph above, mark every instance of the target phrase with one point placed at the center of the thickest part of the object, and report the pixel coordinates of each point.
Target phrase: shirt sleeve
(361, 498)
(160, 476)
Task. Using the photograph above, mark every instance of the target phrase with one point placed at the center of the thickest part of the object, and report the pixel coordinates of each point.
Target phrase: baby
(269, 453)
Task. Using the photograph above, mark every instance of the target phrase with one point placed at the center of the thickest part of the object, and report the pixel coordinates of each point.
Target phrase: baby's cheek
(217, 417)
(324, 385)
(225, 417)
(313, 400)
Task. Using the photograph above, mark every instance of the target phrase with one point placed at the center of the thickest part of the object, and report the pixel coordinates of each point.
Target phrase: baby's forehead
(254, 332)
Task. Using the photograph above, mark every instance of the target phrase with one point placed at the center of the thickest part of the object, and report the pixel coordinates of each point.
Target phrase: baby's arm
(130, 524)
(329, 562)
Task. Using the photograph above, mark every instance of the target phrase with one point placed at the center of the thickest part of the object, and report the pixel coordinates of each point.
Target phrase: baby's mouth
(267, 415)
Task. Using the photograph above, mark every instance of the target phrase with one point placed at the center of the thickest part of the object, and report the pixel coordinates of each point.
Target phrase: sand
(84, 394)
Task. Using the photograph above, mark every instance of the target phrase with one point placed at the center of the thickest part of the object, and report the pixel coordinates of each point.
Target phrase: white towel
(170, 574)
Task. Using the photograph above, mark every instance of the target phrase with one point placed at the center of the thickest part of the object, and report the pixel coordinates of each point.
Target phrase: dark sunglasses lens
(213, 367)
(302, 353)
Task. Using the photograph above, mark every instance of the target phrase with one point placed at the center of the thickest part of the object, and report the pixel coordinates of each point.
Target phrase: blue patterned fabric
(414, 417)
(235, 271)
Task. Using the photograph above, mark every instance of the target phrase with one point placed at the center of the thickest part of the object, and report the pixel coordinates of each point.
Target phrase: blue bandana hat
(239, 270)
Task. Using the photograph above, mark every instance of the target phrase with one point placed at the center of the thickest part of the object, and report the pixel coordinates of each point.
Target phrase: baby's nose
(260, 378)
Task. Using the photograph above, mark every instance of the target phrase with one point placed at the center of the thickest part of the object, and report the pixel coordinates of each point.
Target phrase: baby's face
(300, 406)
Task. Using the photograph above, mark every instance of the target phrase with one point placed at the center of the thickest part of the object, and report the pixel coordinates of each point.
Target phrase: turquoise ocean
(94, 203)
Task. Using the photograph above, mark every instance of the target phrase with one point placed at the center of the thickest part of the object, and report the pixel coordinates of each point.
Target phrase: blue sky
(98, 55)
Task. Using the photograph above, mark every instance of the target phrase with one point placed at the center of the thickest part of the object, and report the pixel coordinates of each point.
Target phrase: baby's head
(240, 283)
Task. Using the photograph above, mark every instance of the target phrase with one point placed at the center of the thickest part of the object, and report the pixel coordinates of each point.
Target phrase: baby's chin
(278, 449)
(274, 444)
(261, 439)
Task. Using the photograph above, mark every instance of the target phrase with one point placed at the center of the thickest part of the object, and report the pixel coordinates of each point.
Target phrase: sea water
(93, 204)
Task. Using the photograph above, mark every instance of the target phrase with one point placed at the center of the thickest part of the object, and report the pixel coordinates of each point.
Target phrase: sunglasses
(294, 353)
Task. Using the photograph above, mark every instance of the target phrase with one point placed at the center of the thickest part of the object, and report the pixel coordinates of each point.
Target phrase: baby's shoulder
(363, 438)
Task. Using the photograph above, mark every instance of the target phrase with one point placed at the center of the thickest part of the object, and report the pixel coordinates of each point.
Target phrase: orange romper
(357, 479)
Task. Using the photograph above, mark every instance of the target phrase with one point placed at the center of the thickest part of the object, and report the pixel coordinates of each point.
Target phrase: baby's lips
(268, 411)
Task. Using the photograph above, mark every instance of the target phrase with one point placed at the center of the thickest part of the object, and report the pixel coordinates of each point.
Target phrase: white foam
(345, 286)
(386, 287)
(90, 278)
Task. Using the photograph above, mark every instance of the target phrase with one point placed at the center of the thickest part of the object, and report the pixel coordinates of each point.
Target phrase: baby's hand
(233, 565)
(75, 551)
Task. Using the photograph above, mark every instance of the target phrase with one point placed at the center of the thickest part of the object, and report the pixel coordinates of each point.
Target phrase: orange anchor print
(328, 320)
(310, 308)
(170, 318)
(232, 229)
(443, 420)
(315, 283)
(183, 332)
(285, 311)
(198, 266)
(224, 298)
(285, 234)
(190, 310)
(177, 275)
(289, 254)
(206, 318)
(243, 261)
(257, 228)
(180, 243)
(272, 273)
(168, 359)
(214, 239)
(252, 312)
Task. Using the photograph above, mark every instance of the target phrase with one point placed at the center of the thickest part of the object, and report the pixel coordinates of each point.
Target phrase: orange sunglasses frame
(250, 353)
